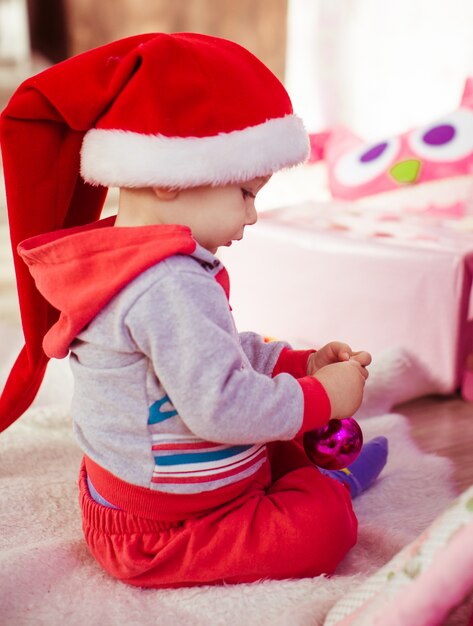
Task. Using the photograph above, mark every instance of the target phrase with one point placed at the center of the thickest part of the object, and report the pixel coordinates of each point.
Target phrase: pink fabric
(440, 150)
(442, 587)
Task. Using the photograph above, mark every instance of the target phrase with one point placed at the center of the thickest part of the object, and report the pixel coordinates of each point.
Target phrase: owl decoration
(425, 167)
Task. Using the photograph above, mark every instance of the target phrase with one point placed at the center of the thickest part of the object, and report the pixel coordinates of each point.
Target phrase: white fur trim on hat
(118, 158)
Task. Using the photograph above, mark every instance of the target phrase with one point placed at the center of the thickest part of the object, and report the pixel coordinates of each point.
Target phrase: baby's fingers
(361, 368)
(342, 351)
(363, 357)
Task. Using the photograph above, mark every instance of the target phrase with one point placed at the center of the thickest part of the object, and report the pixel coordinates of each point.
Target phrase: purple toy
(336, 445)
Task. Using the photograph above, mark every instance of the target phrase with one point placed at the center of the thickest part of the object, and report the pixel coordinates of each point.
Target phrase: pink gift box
(313, 273)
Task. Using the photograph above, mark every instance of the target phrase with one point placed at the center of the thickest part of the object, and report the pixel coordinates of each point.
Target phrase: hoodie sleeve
(262, 355)
(274, 357)
(184, 325)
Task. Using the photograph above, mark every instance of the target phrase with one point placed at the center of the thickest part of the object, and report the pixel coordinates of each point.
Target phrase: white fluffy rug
(48, 578)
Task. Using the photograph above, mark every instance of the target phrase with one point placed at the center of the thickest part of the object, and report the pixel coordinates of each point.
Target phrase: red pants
(301, 525)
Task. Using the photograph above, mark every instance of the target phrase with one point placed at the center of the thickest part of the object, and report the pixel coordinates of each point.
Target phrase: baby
(194, 470)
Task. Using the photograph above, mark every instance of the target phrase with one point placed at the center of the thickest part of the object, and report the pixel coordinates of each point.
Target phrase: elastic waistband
(114, 521)
(167, 507)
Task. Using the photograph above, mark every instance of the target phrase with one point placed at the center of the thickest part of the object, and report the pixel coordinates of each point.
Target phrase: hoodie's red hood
(79, 270)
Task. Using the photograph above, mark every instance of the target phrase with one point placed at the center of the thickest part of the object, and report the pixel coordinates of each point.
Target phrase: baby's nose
(251, 214)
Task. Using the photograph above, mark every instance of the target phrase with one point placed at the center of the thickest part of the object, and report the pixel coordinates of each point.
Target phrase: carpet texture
(47, 576)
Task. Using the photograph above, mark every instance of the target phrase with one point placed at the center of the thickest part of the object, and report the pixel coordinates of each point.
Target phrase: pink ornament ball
(336, 445)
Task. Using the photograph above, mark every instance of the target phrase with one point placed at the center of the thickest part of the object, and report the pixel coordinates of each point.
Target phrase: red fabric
(317, 407)
(203, 86)
(116, 86)
(41, 132)
(158, 505)
(223, 280)
(139, 84)
(91, 265)
(99, 250)
(301, 525)
(293, 362)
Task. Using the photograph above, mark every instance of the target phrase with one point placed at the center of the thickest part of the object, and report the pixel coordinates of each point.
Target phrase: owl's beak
(406, 172)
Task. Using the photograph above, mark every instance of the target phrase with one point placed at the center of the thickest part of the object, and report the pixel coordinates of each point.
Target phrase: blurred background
(375, 65)
(48, 31)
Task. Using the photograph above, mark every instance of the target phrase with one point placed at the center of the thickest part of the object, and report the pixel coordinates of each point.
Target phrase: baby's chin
(432, 196)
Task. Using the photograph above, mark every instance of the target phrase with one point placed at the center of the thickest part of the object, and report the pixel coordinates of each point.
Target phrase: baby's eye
(246, 193)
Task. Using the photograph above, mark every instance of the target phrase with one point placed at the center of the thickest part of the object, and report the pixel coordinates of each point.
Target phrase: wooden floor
(444, 425)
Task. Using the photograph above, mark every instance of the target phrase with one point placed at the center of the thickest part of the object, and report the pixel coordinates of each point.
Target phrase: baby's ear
(164, 194)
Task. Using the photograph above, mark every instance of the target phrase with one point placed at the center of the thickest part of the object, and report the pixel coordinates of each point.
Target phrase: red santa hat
(176, 110)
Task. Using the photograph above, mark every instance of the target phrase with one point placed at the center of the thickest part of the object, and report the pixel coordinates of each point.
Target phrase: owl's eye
(367, 162)
(448, 139)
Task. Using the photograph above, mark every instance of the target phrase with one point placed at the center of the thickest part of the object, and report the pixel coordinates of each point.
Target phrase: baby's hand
(363, 357)
(334, 352)
(344, 383)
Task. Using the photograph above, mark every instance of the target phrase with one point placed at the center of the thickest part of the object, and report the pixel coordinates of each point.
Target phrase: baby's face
(217, 216)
